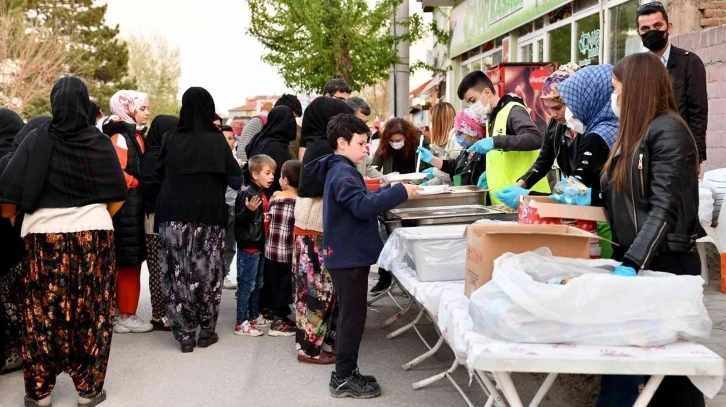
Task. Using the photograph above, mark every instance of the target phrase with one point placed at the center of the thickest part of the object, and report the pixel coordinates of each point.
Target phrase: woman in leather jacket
(650, 189)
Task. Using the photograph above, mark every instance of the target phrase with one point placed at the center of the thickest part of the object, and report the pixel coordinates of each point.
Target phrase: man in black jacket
(685, 68)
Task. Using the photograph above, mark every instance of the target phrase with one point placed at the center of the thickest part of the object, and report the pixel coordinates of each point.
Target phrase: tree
(378, 99)
(31, 60)
(311, 41)
(155, 67)
(94, 51)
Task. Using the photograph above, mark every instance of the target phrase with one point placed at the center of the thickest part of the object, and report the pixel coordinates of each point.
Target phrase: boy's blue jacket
(350, 213)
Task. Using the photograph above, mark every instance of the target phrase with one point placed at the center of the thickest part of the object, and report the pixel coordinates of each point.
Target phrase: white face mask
(574, 124)
(481, 108)
(396, 146)
(614, 104)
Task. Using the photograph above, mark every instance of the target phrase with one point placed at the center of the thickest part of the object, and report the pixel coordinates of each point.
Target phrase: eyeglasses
(655, 5)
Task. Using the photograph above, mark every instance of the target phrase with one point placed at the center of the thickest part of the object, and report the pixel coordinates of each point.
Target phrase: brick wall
(710, 45)
(713, 13)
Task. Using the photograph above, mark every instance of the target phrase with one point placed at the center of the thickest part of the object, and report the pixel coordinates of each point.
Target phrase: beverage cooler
(524, 80)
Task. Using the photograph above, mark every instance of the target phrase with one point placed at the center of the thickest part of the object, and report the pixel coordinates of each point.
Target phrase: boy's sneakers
(245, 329)
(380, 287)
(354, 386)
(281, 327)
(261, 322)
(325, 358)
(229, 284)
(132, 324)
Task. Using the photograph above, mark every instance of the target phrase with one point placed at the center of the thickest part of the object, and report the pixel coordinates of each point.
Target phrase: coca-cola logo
(537, 78)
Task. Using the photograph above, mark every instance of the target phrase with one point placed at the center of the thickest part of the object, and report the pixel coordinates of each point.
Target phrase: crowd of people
(87, 198)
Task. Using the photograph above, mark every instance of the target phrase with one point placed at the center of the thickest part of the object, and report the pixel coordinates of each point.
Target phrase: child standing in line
(351, 244)
(251, 226)
(278, 248)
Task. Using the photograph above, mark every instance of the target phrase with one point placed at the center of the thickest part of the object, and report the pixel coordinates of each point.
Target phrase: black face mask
(655, 40)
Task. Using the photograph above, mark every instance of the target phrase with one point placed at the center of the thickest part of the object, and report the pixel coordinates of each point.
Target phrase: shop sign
(475, 22)
(589, 46)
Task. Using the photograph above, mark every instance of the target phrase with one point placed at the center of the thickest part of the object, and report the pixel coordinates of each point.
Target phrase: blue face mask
(463, 141)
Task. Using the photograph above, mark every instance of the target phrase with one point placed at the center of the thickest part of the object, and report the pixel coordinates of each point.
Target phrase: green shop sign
(475, 22)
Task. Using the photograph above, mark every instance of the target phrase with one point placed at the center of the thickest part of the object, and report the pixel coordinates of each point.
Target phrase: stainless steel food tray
(441, 215)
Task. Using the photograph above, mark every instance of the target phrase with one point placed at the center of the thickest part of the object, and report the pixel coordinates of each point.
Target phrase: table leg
(648, 391)
(398, 315)
(426, 355)
(510, 392)
(542, 392)
(385, 292)
(408, 326)
(490, 389)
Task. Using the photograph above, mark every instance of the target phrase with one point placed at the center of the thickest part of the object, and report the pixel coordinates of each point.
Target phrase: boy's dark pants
(351, 287)
(279, 276)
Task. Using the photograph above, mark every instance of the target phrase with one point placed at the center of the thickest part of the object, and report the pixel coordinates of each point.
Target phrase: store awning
(434, 82)
(417, 92)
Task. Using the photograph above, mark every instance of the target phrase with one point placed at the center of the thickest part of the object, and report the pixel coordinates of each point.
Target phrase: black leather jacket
(657, 209)
(249, 227)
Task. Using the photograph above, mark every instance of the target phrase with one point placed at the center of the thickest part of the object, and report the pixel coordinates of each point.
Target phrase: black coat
(128, 223)
(656, 212)
(249, 227)
(688, 76)
(582, 157)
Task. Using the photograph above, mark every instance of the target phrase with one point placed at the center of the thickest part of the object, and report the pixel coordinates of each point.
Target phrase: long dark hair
(410, 136)
(646, 94)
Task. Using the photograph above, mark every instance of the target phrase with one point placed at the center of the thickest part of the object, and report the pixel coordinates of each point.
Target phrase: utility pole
(398, 83)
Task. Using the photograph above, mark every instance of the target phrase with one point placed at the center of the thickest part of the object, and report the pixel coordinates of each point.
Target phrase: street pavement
(150, 370)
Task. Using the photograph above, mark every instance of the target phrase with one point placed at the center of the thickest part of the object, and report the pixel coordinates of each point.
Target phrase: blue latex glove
(510, 195)
(429, 173)
(624, 271)
(482, 183)
(426, 155)
(482, 146)
(572, 197)
(423, 184)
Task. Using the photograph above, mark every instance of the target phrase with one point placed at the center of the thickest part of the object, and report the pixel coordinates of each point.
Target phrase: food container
(448, 215)
(466, 195)
(436, 253)
(373, 184)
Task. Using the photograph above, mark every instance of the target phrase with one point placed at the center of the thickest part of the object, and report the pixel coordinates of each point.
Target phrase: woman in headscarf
(126, 127)
(195, 167)
(162, 125)
(10, 125)
(60, 178)
(274, 140)
(313, 294)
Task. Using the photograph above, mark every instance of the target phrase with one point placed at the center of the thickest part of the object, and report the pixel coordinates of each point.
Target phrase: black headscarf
(197, 144)
(10, 125)
(64, 163)
(162, 125)
(315, 139)
(32, 124)
(274, 140)
(93, 111)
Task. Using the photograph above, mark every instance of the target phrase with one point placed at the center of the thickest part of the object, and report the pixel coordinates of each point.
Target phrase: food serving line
(426, 254)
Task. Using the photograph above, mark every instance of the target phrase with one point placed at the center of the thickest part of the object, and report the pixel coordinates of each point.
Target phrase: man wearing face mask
(686, 70)
(512, 139)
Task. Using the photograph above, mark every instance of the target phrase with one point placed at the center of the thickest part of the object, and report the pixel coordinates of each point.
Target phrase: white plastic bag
(706, 199)
(594, 308)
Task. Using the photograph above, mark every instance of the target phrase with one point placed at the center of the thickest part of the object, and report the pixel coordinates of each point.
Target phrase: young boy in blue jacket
(351, 244)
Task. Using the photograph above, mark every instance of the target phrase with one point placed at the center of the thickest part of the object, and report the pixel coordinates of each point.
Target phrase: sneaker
(325, 358)
(281, 327)
(13, 362)
(229, 284)
(261, 322)
(353, 386)
(245, 329)
(367, 378)
(380, 287)
(133, 324)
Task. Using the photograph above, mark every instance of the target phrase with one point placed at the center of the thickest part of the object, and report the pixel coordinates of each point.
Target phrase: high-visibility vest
(505, 167)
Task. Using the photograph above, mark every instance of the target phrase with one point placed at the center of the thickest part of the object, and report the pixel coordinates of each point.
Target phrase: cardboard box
(485, 243)
(541, 210)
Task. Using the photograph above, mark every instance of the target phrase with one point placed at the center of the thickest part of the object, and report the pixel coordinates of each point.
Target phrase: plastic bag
(571, 191)
(594, 308)
(436, 253)
(706, 202)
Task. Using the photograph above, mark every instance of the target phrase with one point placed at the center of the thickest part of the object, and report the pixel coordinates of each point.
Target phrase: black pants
(678, 391)
(279, 277)
(351, 287)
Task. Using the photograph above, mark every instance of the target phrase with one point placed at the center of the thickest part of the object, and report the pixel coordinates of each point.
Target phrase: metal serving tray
(447, 215)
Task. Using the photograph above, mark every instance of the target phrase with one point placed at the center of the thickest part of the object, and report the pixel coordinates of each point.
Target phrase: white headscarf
(125, 104)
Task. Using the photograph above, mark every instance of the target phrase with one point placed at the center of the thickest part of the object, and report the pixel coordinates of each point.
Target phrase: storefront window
(588, 40)
(528, 53)
(540, 50)
(492, 59)
(624, 39)
(476, 65)
(560, 44)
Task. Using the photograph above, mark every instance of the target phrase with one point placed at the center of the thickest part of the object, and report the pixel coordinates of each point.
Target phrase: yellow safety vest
(505, 167)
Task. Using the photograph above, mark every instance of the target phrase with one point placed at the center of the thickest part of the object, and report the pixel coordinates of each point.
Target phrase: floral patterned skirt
(314, 297)
(68, 291)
